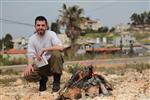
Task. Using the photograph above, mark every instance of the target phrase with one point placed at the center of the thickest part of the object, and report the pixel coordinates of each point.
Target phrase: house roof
(14, 51)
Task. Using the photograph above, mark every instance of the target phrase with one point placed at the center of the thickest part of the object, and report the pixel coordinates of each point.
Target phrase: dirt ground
(132, 85)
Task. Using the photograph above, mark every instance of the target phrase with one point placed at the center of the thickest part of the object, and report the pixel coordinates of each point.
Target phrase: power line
(19, 23)
(101, 8)
(16, 22)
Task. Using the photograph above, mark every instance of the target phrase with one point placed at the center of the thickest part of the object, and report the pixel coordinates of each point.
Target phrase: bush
(7, 60)
(8, 72)
(139, 67)
(7, 81)
(73, 68)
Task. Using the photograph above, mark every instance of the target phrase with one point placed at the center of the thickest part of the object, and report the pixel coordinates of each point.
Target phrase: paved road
(118, 61)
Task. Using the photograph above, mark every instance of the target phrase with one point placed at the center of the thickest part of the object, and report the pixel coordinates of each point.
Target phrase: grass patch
(139, 67)
(8, 60)
(8, 72)
(78, 57)
(72, 68)
(7, 81)
(111, 70)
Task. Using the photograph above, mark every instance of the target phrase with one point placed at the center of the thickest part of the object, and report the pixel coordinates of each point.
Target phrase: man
(44, 43)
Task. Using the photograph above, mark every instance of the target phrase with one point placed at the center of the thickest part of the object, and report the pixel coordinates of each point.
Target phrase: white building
(90, 24)
(121, 27)
(125, 37)
(20, 43)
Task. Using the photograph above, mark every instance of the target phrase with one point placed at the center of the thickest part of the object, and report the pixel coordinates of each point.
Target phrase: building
(90, 24)
(121, 27)
(125, 37)
(20, 43)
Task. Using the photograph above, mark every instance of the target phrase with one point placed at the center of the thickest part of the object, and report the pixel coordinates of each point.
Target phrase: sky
(108, 12)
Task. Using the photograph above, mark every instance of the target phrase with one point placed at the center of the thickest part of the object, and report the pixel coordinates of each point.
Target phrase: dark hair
(41, 18)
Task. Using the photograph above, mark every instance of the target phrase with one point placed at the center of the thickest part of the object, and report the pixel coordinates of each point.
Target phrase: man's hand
(41, 52)
(39, 55)
(27, 71)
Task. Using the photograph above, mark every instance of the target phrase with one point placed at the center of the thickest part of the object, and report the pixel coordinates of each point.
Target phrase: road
(98, 63)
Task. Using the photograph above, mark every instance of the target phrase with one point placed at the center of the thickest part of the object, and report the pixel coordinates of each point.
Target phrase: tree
(143, 17)
(71, 18)
(1, 44)
(112, 29)
(103, 29)
(135, 19)
(148, 18)
(8, 41)
(131, 52)
(140, 19)
(55, 27)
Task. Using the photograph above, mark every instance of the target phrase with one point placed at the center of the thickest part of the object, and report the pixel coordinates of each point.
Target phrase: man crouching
(44, 56)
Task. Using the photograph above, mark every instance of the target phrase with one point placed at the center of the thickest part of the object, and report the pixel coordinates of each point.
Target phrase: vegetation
(146, 41)
(7, 60)
(103, 29)
(55, 27)
(8, 72)
(78, 57)
(73, 68)
(7, 81)
(109, 35)
(139, 36)
(6, 42)
(140, 19)
(139, 67)
(71, 18)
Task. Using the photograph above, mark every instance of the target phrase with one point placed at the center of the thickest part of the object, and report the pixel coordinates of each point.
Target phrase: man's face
(40, 27)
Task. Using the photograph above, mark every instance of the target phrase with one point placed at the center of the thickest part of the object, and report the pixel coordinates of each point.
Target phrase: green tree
(55, 27)
(1, 44)
(135, 19)
(148, 18)
(103, 29)
(71, 18)
(143, 17)
(8, 42)
(112, 29)
(140, 19)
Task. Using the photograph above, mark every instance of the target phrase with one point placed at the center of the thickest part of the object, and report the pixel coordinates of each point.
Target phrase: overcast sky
(109, 12)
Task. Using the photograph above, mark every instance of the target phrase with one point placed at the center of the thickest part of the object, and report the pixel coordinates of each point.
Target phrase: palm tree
(71, 18)
(140, 19)
(55, 27)
(143, 17)
(136, 19)
(146, 16)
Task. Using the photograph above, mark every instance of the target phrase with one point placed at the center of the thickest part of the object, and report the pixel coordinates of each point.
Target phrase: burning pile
(85, 83)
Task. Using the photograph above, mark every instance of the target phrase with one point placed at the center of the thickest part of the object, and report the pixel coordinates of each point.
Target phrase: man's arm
(31, 54)
(27, 71)
(53, 48)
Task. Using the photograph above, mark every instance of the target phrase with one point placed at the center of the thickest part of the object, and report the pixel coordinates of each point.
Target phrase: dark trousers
(54, 68)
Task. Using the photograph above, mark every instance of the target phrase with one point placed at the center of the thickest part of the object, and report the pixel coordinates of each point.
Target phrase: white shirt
(36, 43)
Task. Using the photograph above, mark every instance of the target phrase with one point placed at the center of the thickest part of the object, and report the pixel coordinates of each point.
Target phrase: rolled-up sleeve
(31, 53)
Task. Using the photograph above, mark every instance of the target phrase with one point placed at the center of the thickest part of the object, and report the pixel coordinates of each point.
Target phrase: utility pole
(121, 46)
(131, 48)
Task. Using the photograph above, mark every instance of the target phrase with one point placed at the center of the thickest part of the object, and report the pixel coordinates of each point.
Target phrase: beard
(41, 32)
